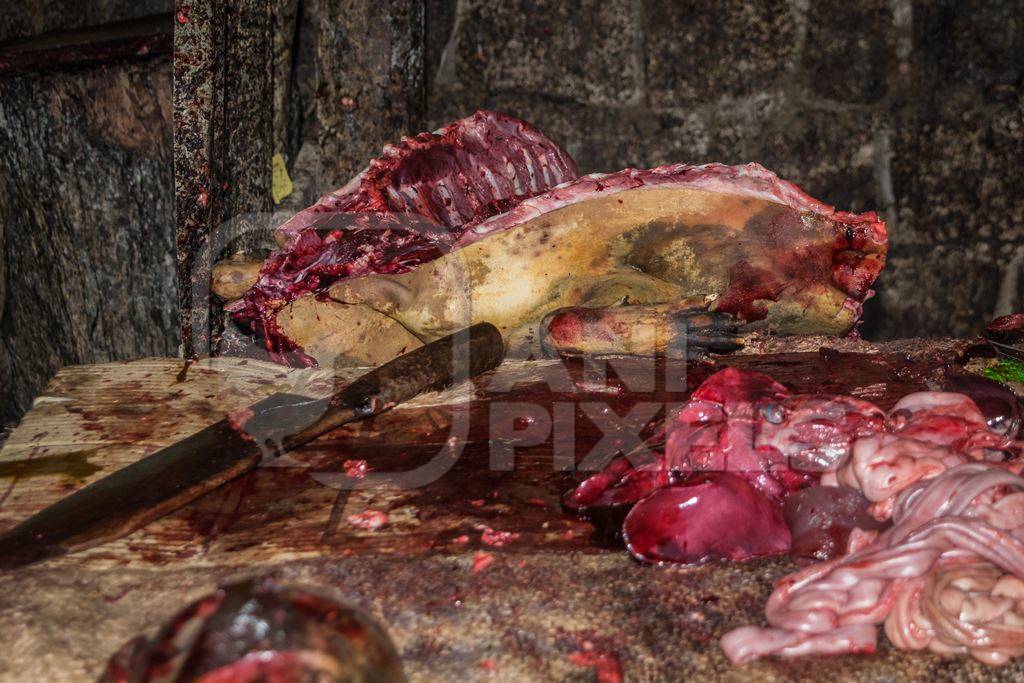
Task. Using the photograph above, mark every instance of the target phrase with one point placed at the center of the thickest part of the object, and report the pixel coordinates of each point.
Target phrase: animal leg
(644, 330)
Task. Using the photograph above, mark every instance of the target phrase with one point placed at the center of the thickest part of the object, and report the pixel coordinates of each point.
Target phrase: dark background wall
(911, 108)
(915, 109)
(27, 18)
(86, 202)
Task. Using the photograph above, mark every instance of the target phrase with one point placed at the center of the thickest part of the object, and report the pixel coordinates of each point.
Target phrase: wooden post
(223, 123)
(371, 81)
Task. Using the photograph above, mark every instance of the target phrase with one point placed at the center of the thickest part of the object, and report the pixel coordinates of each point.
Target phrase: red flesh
(715, 516)
(410, 206)
(258, 630)
(822, 517)
(747, 425)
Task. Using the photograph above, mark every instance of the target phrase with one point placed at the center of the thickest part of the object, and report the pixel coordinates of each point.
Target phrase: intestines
(946, 576)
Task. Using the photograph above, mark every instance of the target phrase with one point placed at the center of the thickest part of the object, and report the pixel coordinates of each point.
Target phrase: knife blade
(162, 482)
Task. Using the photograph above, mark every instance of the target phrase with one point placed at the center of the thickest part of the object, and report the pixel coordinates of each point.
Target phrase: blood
(599, 656)
(792, 261)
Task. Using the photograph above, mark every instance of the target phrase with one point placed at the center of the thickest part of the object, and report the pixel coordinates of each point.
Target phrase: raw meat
(737, 423)
(882, 465)
(746, 423)
(738, 239)
(711, 516)
(946, 419)
(640, 245)
(821, 519)
(409, 206)
(1003, 409)
(460, 176)
(259, 630)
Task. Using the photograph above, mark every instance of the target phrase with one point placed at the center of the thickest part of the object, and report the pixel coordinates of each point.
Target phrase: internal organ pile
(787, 470)
(742, 443)
(748, 424)
(918, 514)
(947, 576)
(532, 239)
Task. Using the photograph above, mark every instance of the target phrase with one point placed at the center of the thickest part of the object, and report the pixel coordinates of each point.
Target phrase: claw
(707, 331)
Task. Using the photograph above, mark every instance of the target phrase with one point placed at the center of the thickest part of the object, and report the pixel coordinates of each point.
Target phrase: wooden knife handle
(434, 366)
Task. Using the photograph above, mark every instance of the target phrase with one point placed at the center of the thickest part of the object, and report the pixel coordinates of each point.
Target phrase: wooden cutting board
(478, 574)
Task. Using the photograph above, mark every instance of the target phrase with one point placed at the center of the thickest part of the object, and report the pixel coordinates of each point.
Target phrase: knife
(144, 491)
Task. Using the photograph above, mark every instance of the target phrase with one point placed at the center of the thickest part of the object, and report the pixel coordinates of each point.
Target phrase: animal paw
(707, 331)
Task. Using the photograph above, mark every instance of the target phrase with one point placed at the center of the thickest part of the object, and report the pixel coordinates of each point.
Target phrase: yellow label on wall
(280, 183)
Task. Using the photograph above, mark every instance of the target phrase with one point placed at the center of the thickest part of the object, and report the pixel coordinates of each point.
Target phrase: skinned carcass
(487, 220)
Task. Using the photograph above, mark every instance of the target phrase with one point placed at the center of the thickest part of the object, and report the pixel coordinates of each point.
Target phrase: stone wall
(915, 109)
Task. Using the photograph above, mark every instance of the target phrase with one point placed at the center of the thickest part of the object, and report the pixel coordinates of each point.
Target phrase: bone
(232, 277)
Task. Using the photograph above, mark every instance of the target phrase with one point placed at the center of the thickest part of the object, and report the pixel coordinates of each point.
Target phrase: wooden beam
(123, 40)
(223, 125)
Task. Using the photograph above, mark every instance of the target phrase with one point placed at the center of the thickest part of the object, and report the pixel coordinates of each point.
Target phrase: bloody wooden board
(478, 573)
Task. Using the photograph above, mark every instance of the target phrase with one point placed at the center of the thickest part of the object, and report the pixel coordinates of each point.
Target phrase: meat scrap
(882, 465)
(369, 520)
(260, 630)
